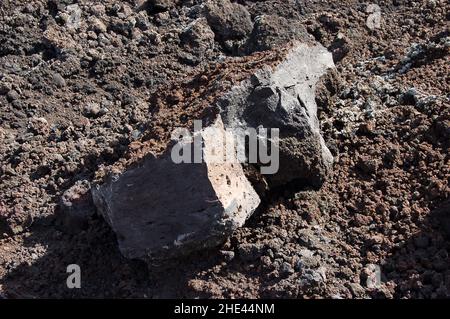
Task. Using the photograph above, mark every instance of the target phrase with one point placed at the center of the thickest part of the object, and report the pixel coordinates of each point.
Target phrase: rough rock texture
(162, 209)
(385, 119)
(283, 97)
(198, 37)
(76, 207)
(160, 5)
(270, 31)
(230, 21)
(214, 199)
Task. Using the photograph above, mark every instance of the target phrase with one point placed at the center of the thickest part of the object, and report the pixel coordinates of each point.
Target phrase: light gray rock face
(73, 14)
(161, 209)
(283, 97)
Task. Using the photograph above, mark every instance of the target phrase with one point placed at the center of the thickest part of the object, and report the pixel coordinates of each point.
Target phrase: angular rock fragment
(270, 31)
(229, 21)
(72, 16)
(283, 97)
(160, 209)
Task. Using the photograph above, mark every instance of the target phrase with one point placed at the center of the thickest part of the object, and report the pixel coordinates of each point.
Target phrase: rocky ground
(78, 81)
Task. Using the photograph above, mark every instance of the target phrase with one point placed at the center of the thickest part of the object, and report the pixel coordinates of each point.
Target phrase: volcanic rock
(283, 97)
(161, 209)
(229, 21)
(270, 31)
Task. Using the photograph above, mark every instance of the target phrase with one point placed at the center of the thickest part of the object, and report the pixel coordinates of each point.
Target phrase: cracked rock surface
(91, 87)
(162, 209)
(284, 98)
(214, 199)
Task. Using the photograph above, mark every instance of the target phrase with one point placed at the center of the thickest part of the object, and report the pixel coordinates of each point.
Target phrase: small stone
(4, 88)
(103, 111)
(374, 19)
(362, 220)
(228, 255)
(97, 25)
(340, 47)
(250, 252)
(136, 134)
(307, 260)
(12, 95)
(286, 269)
(29, 8)
(356, 289)
(98, 9)
(367, 127)
(372, 276)
(58, 157)
(92, 35)
(312, 278)
(271, 31)
(370, 108)
(74, 16)
(39, 126)
(162, 17)
(228, 20)
(142, 21)
(198, 36)
(59, 80)
(409, 97)
(368, 165)
(92, 109)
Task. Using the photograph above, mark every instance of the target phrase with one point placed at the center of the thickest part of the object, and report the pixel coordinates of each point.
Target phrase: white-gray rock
(283, 97)
(161, 209)
(73, 12)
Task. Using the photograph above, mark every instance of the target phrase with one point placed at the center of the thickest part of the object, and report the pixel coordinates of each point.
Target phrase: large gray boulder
(283, 97)
(161, 209)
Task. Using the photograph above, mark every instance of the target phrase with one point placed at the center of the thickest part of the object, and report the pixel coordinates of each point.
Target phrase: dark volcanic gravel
(78, 81)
